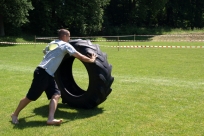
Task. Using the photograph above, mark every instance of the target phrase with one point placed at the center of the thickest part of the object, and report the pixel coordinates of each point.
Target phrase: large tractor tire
(100, 79)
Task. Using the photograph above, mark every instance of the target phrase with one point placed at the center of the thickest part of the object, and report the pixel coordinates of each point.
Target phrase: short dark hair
(62, 32)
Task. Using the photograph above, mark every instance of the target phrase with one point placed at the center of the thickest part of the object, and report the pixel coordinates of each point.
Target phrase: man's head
(64, 35)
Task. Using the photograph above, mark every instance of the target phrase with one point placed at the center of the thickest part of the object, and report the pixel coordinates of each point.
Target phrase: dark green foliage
(186, 14)
(79, 16)
(96, 17)
(13, 13)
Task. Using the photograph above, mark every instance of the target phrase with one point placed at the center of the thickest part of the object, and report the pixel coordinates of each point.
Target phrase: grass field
(157, 91)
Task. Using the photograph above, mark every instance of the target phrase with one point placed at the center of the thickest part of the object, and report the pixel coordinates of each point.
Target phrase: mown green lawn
(157, 91)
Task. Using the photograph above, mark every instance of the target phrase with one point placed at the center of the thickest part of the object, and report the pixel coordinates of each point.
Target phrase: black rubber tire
(100, 79)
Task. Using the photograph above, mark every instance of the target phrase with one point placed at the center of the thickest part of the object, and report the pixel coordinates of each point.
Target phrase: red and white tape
(147, 46)
(147, 40)
(117, 38)
(129, 46)
(20, 43)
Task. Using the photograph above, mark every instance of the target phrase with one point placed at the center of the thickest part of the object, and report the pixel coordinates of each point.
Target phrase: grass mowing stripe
(161, 81)
(122, 79)
(17, 68)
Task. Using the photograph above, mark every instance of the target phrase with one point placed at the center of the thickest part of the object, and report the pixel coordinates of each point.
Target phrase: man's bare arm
(90, 59)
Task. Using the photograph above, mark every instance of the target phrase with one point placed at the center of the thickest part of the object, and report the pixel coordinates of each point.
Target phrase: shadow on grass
(23, 124)
(14, 39)
(61, 113)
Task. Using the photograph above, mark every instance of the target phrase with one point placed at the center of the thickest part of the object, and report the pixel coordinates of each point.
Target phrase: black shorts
(42, 81)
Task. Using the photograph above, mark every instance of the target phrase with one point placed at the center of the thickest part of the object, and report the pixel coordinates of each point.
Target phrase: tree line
(94, 17)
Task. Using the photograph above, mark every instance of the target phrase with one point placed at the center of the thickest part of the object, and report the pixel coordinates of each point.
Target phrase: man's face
(67, 37)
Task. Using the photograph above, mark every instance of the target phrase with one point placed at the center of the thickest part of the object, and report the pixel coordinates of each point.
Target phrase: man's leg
(52, 108)
(22, 104)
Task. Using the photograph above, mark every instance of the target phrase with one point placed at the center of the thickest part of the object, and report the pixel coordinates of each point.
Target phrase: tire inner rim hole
(80, 74)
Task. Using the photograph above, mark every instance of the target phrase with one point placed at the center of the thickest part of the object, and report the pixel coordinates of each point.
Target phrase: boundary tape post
(35, 40)
(118, 43)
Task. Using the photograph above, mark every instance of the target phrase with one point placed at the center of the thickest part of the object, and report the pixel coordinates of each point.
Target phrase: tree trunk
(2, 33)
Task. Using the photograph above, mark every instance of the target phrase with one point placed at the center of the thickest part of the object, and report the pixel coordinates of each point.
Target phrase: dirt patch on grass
(178, 37)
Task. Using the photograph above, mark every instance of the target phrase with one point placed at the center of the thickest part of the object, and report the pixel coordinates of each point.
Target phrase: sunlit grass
(157, 91)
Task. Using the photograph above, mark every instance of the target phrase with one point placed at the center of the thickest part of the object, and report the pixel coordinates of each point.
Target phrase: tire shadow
(62, 112)
(78, 114)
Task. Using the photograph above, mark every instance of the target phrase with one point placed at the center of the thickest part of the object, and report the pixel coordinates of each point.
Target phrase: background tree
(107, 17)
(79, 16)
(130, 14)
(185, 14)
(14, 13)
(43, 19)
(125, 16)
